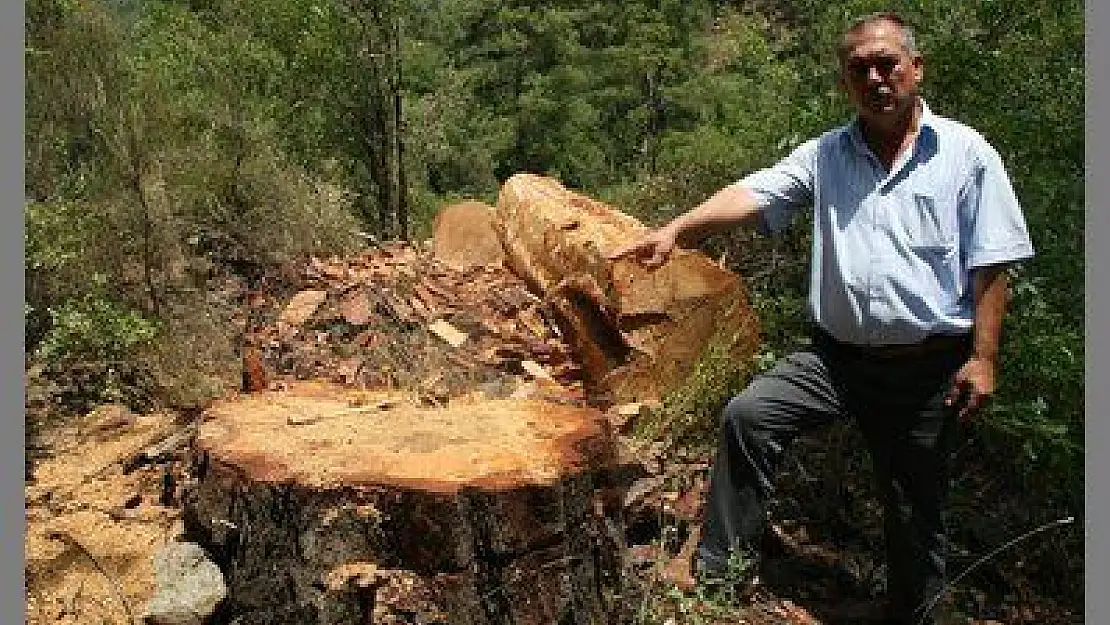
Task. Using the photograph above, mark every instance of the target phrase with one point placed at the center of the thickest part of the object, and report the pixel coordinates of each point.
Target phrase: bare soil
(92, 529)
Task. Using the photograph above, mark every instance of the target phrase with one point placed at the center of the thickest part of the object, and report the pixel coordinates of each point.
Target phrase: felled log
(463, 236)
(161, 449)
(638, 331)
(315, 500)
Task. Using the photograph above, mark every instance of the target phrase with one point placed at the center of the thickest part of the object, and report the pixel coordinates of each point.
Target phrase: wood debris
(255, 378)
(535, 369)
(162, 449)
(355, 308)
(395, 317)
(359, 574)
(623, 417)
(300, 308)
(448, 333)
(108, 420)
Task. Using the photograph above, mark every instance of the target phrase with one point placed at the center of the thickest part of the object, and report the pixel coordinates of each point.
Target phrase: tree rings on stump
(327, 505)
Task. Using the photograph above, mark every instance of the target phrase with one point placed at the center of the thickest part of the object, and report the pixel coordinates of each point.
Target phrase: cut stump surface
(490, 508)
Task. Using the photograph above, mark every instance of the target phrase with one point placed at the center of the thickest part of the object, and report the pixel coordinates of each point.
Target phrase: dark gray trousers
(898, 405)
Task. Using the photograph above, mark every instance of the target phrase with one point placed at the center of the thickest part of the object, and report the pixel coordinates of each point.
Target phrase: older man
(914, 223)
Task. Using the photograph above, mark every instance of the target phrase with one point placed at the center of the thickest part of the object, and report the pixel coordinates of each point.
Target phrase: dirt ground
(92, 530)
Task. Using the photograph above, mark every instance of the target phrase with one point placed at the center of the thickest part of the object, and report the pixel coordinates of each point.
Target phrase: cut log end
(322, 435)
(464, 236)
(638, 331)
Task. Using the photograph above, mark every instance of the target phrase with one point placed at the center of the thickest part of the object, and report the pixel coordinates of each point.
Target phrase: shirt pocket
(929, 227)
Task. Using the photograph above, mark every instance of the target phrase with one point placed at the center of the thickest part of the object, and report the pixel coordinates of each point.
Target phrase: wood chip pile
(396, 317)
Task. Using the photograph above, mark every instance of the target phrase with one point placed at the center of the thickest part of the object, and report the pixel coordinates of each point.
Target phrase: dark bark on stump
(373, 548)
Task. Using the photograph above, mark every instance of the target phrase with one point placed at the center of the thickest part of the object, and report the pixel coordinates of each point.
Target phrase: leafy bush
(91, 328)
(88, 352)
(690, 413)
(195, 359)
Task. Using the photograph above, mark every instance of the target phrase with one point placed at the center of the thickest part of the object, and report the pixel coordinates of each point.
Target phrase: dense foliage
(167, 139)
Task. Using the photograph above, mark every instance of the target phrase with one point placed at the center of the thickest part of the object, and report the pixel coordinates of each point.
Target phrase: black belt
(931, 345)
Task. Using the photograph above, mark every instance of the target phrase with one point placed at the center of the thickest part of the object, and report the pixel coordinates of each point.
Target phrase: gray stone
(190, 586)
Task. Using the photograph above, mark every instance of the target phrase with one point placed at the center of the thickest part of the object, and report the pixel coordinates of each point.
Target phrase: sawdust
(92, 531)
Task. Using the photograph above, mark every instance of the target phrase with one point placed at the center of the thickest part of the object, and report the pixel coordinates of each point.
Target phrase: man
(914, 223)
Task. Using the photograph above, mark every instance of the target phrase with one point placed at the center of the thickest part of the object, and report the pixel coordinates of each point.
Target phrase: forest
(171, 141)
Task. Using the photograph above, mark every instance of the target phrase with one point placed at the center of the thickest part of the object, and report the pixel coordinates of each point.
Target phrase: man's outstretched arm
(728, 208)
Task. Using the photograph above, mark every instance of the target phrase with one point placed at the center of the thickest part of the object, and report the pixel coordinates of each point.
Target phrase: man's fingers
(623, 251)
(954, 392)
(974, 402)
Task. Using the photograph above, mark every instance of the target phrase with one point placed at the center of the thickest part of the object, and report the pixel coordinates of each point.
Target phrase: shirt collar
(927, 122)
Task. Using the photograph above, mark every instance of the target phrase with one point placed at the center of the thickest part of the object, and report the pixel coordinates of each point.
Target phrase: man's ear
(918, 65)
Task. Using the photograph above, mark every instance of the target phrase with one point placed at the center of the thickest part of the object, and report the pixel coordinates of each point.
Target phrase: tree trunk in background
(378, 69)
(402, 211)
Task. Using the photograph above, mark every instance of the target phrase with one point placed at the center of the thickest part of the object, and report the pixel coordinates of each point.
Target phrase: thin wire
(1047, 526)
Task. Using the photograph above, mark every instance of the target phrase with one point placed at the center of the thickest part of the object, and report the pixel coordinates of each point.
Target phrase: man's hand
(653, 250)
(974, 383)
(972, 386)
(732, 206)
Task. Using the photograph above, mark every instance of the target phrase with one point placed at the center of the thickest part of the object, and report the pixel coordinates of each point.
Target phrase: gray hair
(909, 42)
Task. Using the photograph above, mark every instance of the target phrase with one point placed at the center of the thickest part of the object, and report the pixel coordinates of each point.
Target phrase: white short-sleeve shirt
(893, 250)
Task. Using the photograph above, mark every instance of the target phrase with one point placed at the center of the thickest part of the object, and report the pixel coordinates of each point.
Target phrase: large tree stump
(638, 331)
(327, 505)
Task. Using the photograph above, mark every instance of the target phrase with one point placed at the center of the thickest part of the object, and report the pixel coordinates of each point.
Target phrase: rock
(190, 586)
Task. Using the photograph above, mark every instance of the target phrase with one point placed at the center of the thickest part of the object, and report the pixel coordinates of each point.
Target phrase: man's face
(879, 75)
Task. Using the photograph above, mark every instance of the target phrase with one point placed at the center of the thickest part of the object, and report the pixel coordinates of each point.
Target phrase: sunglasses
(860, 69)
